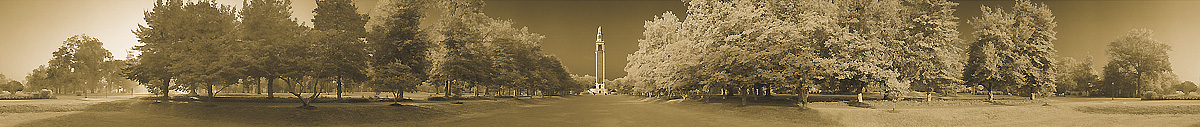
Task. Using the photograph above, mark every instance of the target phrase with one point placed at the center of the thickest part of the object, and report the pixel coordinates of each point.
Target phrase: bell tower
(599, 59)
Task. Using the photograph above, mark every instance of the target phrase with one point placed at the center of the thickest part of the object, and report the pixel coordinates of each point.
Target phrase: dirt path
(605, 111)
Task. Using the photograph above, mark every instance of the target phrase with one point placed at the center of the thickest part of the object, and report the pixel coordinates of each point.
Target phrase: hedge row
(13, 97)
(1172, 98)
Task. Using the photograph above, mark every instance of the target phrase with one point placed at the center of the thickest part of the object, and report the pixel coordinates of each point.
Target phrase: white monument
(599, 56)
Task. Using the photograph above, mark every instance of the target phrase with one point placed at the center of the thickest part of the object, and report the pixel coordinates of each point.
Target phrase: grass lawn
(1062, 111)
(139, 112)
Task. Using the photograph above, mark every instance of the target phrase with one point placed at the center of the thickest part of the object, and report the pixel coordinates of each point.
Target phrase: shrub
(438, 99)
(858, 104)
(1192, 96)
(25, 96)
(1149, 95)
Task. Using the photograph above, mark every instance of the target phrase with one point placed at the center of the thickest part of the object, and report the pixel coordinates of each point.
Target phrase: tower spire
(599, 34)
(600, 61)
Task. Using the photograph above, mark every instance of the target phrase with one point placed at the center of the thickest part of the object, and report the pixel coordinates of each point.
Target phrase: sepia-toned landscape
(625, 63)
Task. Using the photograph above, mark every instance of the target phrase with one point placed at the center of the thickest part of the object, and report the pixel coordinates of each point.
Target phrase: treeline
(204, 47)
(759, 47)
(80, 66)
(763, 46)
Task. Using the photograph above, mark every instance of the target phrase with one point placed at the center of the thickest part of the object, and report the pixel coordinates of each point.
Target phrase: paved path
(607, 111)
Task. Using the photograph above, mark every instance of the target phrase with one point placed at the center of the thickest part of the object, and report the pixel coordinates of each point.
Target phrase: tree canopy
(1134, 60)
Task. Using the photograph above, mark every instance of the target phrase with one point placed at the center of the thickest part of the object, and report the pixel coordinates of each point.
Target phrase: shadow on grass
(778, 108)
(122, 113)
(1140, 110)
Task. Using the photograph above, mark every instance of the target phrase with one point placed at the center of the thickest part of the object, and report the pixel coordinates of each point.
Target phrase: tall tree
(1133, 59)
(1013, 49)
(395, 37)
(80, 62)
(114, 78)
(347, 52)
(158, 37)
(1075, 77)
(267, 26)
(991, 51)
(933, 34)
(1034, 34)
(462, 37)
(207, 47)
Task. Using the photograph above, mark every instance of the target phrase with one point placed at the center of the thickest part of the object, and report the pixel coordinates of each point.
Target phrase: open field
(616, 110)
(1061, 111)
(143, 112)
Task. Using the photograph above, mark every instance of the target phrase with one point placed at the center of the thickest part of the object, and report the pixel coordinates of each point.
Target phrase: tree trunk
(258, 84)
(989, 92)
(339, 88)
(210, 91)
(271, 87)
(860, 97)
(448, 88)
(803, 95)
(724, 93)
(396, 97)
(399, 94)
(990, 97)
(165, 92)
(745, 93)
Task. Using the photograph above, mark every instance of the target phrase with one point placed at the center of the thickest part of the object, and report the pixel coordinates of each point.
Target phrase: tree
(394, 36)
(39, 78)
(114, 78)
(933, 34)
(585, 81)
(267, 27)
(462, 39)
(647, 66)
(1013, 49)
(1076, 77)
(310, 65)
(1034, 34)
(12, 86)
(347, 53)
(1132, 58)
(1186, 87)
(207, 48)
(78, 64)
(164, 24)
(395, 77)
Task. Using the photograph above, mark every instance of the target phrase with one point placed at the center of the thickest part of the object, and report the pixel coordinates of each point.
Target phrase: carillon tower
(599, 60)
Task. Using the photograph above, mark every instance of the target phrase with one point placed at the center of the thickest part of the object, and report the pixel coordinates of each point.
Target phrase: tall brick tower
(599, 60)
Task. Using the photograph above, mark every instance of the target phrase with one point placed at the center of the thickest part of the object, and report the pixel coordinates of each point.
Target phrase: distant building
(599, 56)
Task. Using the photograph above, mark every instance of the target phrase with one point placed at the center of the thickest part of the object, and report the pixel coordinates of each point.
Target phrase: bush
(390, 100)
(25, 96)
(438, 99)
(1149, 95)
(1192, 96)
(858, 104)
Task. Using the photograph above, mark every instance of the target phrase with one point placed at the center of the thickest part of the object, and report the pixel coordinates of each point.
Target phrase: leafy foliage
(1135, 60)
(1013, 50)
(765, 45)
(1076, 77)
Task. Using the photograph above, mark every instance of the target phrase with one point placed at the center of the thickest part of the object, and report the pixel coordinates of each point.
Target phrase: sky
(32, 29)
